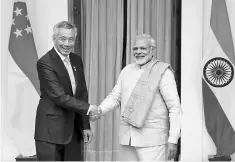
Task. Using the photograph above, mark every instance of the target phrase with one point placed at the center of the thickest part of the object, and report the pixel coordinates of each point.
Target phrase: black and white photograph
(117, 80)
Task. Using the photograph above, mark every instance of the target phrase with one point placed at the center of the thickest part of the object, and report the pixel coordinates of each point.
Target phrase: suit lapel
(60, 65)
(74, 67)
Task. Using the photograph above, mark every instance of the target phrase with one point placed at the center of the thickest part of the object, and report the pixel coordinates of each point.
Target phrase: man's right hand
(171, 151)
(94, 113)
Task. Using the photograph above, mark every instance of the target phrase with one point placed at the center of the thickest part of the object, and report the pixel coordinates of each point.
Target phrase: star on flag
(28, 29)
(18, 11)
(22, 24)
(18, 33)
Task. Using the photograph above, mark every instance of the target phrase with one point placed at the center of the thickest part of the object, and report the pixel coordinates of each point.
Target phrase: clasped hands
(94, 113)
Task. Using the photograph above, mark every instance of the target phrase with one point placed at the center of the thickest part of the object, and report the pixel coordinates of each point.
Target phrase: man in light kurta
(150, 117)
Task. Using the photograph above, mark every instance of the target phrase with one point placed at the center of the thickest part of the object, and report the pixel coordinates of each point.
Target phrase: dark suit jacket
(59, 110)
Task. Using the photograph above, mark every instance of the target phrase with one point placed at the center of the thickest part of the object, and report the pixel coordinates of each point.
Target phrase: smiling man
(150, 107)
(61, 121)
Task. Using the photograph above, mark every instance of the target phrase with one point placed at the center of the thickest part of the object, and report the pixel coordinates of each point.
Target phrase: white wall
(48, 13)
(190, 76)
(43, 15)
(0, 84)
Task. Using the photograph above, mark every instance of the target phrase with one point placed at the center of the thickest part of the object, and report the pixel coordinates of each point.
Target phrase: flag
(22, 85)
(218, 82)
(21, 44)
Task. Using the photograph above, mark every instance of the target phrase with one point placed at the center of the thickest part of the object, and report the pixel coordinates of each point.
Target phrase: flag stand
(26, 158)
(219, 158)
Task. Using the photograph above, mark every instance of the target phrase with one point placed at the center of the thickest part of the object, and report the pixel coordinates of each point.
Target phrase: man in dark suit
(61, 120)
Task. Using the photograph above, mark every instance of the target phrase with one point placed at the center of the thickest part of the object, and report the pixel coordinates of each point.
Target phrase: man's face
(142, 51)
(64, 41)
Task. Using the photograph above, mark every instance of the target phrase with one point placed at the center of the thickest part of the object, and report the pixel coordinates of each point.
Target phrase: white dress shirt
(68, 66)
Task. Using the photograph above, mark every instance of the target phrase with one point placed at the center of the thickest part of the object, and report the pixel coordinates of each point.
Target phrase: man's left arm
(168, 90)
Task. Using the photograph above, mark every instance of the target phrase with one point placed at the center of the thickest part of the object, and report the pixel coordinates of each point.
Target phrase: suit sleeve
(52, 88)
(83, 119)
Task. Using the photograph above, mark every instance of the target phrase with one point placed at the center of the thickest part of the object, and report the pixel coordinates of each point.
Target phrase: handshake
(94, 113)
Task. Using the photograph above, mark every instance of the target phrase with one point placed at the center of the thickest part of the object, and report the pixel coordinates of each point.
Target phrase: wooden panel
(74, 13)
(176, 51)
(176, 41)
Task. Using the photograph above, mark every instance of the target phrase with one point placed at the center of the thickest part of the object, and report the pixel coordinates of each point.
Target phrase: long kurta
(162, 124)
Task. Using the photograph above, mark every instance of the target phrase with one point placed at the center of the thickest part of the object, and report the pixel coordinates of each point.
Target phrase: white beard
(143, 60)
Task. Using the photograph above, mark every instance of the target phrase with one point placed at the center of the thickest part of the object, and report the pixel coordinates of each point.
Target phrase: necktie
(70, 71)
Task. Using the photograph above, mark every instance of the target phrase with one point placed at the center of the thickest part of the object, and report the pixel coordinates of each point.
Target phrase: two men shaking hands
(94, 113)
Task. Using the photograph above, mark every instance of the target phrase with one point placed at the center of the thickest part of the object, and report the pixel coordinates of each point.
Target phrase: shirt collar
(61, 56)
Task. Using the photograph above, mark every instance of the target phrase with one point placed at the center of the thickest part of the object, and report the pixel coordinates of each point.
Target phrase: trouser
(131, 153)
(56, 152)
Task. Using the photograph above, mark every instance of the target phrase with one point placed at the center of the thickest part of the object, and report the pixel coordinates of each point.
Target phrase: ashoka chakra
(218, 72)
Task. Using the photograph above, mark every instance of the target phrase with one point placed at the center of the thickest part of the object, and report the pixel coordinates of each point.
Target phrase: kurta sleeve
(113, 100)
(169, 93)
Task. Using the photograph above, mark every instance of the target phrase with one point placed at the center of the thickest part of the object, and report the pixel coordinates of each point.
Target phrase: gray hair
(64, 25)
(152, 41)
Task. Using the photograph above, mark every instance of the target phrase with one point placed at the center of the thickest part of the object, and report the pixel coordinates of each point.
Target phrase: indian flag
(218, 81)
